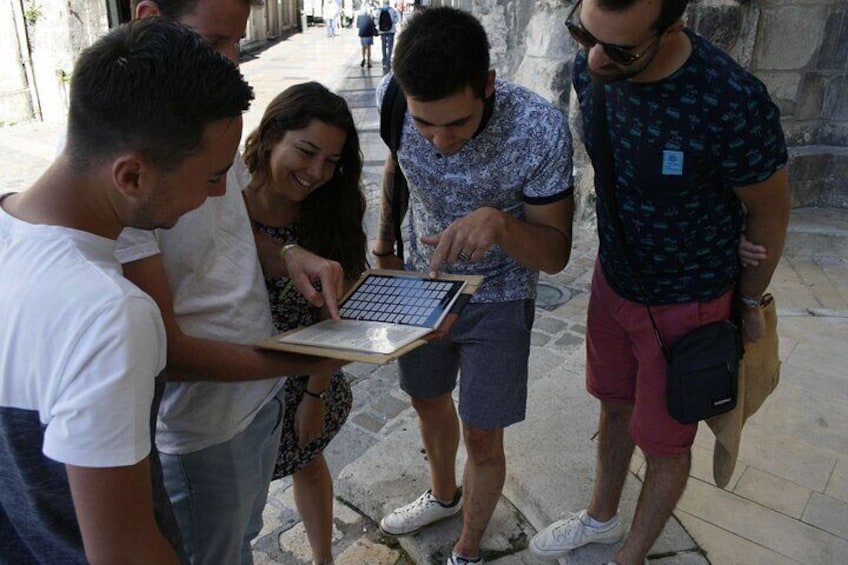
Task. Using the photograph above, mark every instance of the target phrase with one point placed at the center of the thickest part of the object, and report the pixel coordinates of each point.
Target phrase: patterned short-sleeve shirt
(522, 156)
(680, 147)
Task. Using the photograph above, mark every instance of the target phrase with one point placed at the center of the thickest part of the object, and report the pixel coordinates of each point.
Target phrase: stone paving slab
(827, 514)
(762, 525)
(728, 547)
(837, 486)
(775, 492)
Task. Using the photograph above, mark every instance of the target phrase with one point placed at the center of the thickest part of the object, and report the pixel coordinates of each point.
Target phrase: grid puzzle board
(403, 300)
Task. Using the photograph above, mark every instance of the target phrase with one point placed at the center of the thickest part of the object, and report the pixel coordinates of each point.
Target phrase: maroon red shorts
(625, 365)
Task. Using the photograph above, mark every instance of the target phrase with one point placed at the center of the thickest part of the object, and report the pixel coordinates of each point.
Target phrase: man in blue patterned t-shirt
(490, 193)
(694, 138)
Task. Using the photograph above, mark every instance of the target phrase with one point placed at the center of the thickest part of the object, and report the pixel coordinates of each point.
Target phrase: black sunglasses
(621, 55)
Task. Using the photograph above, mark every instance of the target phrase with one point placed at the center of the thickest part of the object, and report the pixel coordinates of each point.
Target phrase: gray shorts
(489, 345)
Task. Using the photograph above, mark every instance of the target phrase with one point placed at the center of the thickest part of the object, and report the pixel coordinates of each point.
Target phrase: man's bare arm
(384, 245)
(198, 359)
(768, 205)
(114, 509)
(541, 242)
(303, 267)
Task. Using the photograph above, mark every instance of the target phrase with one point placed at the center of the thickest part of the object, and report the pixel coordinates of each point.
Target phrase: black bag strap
(605, 175)
(392, 113)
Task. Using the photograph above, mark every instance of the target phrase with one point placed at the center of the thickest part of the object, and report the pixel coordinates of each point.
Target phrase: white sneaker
(562, 536)
(422, 512)
(455, 559)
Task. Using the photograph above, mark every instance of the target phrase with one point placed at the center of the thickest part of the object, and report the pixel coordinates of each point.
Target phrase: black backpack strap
(392, 113)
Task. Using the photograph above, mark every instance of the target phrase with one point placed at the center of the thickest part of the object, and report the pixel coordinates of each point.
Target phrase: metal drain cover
(550, 295)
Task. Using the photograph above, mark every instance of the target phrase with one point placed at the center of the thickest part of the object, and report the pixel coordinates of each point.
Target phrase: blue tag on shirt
(672, 162)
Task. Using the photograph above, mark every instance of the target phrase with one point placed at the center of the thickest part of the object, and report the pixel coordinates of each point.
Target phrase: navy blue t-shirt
(680, 146)
(38, 523)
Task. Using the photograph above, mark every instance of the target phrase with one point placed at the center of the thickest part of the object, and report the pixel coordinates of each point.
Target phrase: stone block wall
(15, 97)
(58, 33)
(41, 39)
(798, 48)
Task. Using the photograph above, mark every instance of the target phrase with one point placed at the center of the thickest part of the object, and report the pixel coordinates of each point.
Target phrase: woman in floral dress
(306, 190)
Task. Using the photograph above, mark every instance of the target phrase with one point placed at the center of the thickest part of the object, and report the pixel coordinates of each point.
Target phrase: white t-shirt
(213, 269)
(79, 344)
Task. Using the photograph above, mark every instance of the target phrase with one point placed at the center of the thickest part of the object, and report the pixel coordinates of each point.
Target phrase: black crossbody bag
(703, 365)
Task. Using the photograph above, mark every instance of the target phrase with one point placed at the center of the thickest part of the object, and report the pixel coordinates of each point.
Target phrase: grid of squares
(400, 300)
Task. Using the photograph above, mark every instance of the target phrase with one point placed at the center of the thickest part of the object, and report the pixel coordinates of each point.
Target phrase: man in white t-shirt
(218, 430)
(80, 346)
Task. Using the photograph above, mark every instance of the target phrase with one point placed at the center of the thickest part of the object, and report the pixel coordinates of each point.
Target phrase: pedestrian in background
(330, 13)
(348, 12)
(367, 30)
(387, 21)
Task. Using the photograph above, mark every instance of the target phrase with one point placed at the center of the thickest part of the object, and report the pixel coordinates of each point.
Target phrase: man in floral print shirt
(488, 165)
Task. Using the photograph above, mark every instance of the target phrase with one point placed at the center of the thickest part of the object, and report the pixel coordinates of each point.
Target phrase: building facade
(40, 39)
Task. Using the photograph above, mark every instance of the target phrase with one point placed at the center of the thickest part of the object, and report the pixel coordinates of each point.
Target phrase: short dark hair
(331, 216)
(670, 12)
(175, 9)
(440, 52)
(151, 85)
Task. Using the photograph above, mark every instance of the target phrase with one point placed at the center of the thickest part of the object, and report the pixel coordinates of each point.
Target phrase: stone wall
(801, 54)
(41, 39)
(798, 48)
(59, 32)
(15, 97)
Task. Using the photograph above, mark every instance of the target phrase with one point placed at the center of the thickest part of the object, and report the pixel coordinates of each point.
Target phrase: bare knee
(437, 407)
(312, 472)
(670, 463)
(616, 413)
(484, 447)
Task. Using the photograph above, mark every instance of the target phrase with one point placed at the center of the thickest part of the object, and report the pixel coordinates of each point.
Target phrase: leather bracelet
(386, 254)
(286, 248)
(318, 395)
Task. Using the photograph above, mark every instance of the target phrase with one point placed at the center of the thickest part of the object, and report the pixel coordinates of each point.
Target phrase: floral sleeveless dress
(289, 310)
